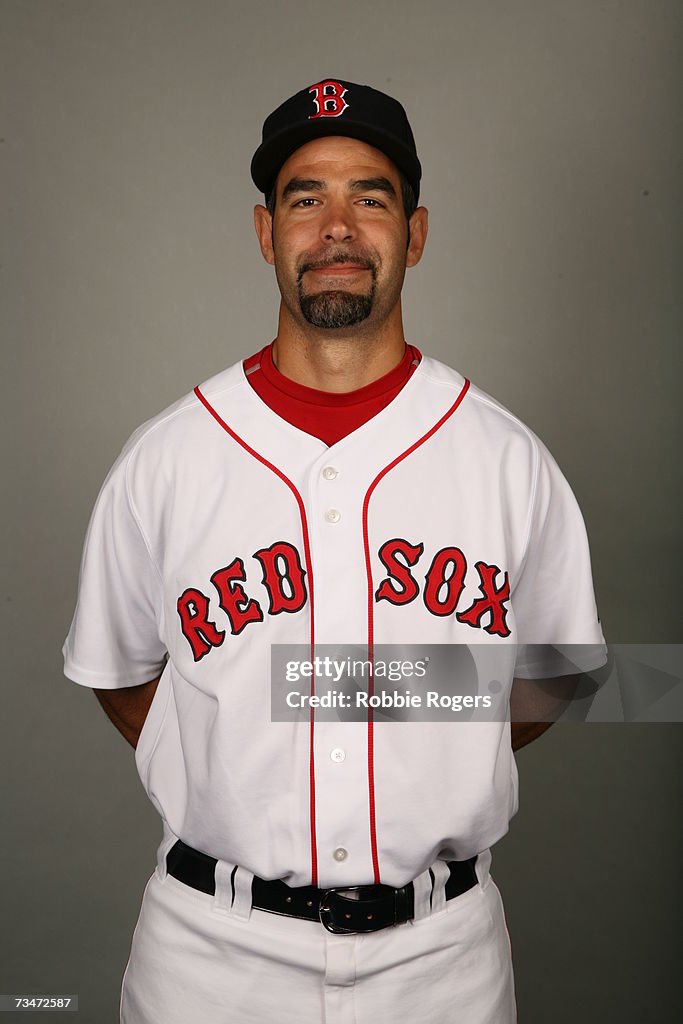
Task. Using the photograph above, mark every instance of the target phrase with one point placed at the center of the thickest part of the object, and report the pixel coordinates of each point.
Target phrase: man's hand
(536, 703)
(128, 706)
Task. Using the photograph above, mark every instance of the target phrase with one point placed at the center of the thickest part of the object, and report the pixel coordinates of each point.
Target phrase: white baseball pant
(197, 957)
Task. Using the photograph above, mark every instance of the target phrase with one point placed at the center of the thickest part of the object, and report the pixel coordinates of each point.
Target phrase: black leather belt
(345, 910)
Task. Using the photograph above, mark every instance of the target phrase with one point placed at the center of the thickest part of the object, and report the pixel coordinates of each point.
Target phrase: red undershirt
(327, 415)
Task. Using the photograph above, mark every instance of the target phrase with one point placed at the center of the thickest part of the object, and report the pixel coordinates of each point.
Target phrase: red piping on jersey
(371, 619)
(307, 556)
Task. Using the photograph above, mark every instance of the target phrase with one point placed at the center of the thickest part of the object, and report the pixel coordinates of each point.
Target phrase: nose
(337, 224)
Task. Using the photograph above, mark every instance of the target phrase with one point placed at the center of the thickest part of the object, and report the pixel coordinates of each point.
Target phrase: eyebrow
(379, 184)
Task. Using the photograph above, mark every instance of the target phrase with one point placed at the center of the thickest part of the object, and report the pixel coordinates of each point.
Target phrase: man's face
(339, 236)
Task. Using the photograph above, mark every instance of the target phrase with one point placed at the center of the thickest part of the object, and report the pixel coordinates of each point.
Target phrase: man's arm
(127, 707)
(536, 703)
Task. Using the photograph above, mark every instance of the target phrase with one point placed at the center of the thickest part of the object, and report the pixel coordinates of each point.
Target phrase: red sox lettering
(438, 579)
(283, 578)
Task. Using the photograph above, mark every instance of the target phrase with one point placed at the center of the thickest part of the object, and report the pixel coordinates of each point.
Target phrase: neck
(338, 360)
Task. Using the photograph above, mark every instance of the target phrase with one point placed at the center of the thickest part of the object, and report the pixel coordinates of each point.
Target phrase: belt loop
(422, 887)
(441, 873)
(168, 840)
(241, 904)
(482, 865)
(223, 896)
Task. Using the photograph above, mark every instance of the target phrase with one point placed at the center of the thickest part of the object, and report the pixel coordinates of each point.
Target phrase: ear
(263, 223)
(418, 236)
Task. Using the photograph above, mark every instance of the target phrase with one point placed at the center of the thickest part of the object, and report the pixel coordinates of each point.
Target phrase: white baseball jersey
(222, 529)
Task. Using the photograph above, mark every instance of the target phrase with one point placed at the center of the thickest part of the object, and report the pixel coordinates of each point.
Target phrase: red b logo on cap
(329, 99)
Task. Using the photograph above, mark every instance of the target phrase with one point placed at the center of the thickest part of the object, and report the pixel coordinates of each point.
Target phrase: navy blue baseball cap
(334, 107)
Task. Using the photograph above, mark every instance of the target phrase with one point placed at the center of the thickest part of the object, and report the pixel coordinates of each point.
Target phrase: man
(337, 488)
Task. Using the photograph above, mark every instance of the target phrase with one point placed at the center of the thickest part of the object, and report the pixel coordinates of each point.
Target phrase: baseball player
(336, 487)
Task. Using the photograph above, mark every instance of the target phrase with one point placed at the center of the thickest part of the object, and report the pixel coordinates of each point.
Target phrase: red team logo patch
(329, 99)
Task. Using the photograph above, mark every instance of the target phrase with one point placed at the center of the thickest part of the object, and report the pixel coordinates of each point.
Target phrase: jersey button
(338, 755)
(329, 472)
(333, 515)
(340, 853)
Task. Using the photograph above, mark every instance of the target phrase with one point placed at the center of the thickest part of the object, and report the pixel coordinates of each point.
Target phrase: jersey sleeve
(115, 635)
(558, 628)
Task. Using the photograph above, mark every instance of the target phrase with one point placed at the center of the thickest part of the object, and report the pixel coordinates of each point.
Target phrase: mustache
(337, 258)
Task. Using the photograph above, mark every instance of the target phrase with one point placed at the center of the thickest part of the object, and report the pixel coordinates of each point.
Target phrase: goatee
(335, 308)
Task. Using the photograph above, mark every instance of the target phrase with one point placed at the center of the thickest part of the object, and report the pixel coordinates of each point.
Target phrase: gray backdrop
(550, 137)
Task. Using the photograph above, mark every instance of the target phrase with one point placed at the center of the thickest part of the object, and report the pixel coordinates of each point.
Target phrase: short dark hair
(407, 194)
